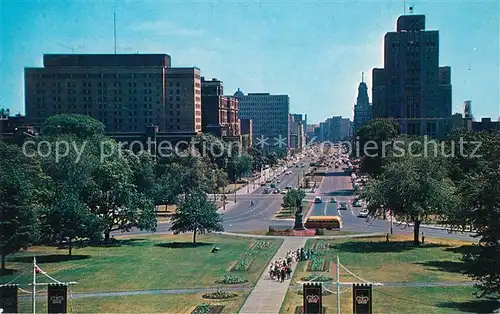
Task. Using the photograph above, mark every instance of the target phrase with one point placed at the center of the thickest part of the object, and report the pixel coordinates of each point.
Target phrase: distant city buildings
(363, 111)
(334, 129)
(466, 121)
(126, 92)
(269, 114)
(412, 89)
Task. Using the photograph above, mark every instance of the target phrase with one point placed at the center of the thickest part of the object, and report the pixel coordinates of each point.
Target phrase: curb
(245, 235)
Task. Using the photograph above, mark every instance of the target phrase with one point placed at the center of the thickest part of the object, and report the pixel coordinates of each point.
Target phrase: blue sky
(314, 51)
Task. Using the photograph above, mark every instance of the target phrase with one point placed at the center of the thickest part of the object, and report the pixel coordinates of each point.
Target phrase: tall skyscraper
(362, 108)
(126, 92)
(412, 89)
(269, 114)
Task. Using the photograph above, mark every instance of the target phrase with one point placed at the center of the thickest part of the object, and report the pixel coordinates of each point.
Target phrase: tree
(78, 125)
(292, 198)
(115, 199)
(413, 187)
(370, 145)
(18, 200)
(196, 213)
(258, 160)
(483, 263)
(68, 219)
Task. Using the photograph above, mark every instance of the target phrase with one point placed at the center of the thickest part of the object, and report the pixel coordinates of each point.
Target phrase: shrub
(261, 245)
(321, 245)
(318, 278)
(317, 263)
(243, 263)
(320, 231)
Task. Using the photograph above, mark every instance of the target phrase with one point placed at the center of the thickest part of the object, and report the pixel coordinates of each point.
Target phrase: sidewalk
(268, 295)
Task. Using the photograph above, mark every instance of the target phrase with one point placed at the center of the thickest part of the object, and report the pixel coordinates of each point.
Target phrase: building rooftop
(97, 60)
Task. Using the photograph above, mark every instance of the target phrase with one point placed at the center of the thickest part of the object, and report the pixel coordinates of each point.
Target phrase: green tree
(114, 197)
(483, 263)
(19, 177)
(78, 125)
(68, 219)
(196, 213)
(370, 145)
(413, 187)
(292, 198)
(258, 160)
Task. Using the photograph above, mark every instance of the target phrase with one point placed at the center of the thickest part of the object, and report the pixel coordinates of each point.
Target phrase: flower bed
(261, 245)
(244, 263)
(317, 278)
(317, 263)
(208, 309)
(231, 280)
(321, 246)
(219, 294)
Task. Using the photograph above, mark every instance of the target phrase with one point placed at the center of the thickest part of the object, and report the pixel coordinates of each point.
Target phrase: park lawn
(403, 300)
(146, 262)
(398, 261)
(159, 303)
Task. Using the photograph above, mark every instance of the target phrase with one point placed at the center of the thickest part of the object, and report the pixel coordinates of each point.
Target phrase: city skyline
(243, 44)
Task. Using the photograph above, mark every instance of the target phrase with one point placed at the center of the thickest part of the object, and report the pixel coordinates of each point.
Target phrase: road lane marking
(352, 212)
(338, 211)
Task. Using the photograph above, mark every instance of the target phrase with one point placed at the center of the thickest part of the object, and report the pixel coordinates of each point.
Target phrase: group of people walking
(281, 269)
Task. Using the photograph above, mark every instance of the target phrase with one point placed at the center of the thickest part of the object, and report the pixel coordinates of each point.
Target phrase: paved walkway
(268, 295)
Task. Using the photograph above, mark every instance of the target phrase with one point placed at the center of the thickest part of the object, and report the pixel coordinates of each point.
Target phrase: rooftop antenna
(362, 77)
(410, 9)
(114, 30)
(72, 48)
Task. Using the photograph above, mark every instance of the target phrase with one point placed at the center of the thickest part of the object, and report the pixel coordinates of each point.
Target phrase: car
(363, 214)
(276, 191)
(356, 204)
(317, 200)
(332, 200)
(343, 206)
(263, 184)
(313, 190)
(288, 187)
(287, 173)
(267, 191)
(283, 192)
(278, 181)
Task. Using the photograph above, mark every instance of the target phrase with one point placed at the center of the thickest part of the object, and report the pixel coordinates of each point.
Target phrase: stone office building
(412, 89)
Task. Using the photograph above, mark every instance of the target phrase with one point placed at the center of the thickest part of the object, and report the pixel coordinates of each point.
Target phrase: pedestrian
(283, 274)
(289, 272)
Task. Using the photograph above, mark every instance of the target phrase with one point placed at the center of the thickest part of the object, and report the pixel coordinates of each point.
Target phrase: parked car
(267, 190)
(333, 200)
(288, 187)
(363, 214)
(263, 183)
(317, 200)
(356, 204)
(343, 206)
(276, 191)
(283, 192)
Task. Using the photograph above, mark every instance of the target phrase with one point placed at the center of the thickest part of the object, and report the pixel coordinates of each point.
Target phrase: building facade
(362, 108)
(269, 114)
(127, 93)
(412, 89)
(297, 131)
(220, 113)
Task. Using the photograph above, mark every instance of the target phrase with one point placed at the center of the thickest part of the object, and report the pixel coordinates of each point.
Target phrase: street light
(390, 212)
(215, 185)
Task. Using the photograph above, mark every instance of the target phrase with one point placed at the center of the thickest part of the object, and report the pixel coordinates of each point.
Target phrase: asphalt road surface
(336, 184)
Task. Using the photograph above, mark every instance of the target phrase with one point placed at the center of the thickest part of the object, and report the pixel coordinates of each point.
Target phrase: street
(241, 217)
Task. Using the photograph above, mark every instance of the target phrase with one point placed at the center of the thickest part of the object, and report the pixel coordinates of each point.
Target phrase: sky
(314, 51)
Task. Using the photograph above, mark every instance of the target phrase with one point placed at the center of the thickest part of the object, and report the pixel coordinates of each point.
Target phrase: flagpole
(33, 291)
(338, 285)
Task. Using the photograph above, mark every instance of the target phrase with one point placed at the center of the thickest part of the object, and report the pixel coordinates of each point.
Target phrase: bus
(323, 222)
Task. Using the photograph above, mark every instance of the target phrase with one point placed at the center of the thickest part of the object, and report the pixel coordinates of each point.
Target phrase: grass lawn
(404, 300)
(163, 303)
(377, 261)
(398, 261)
(146, 262)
